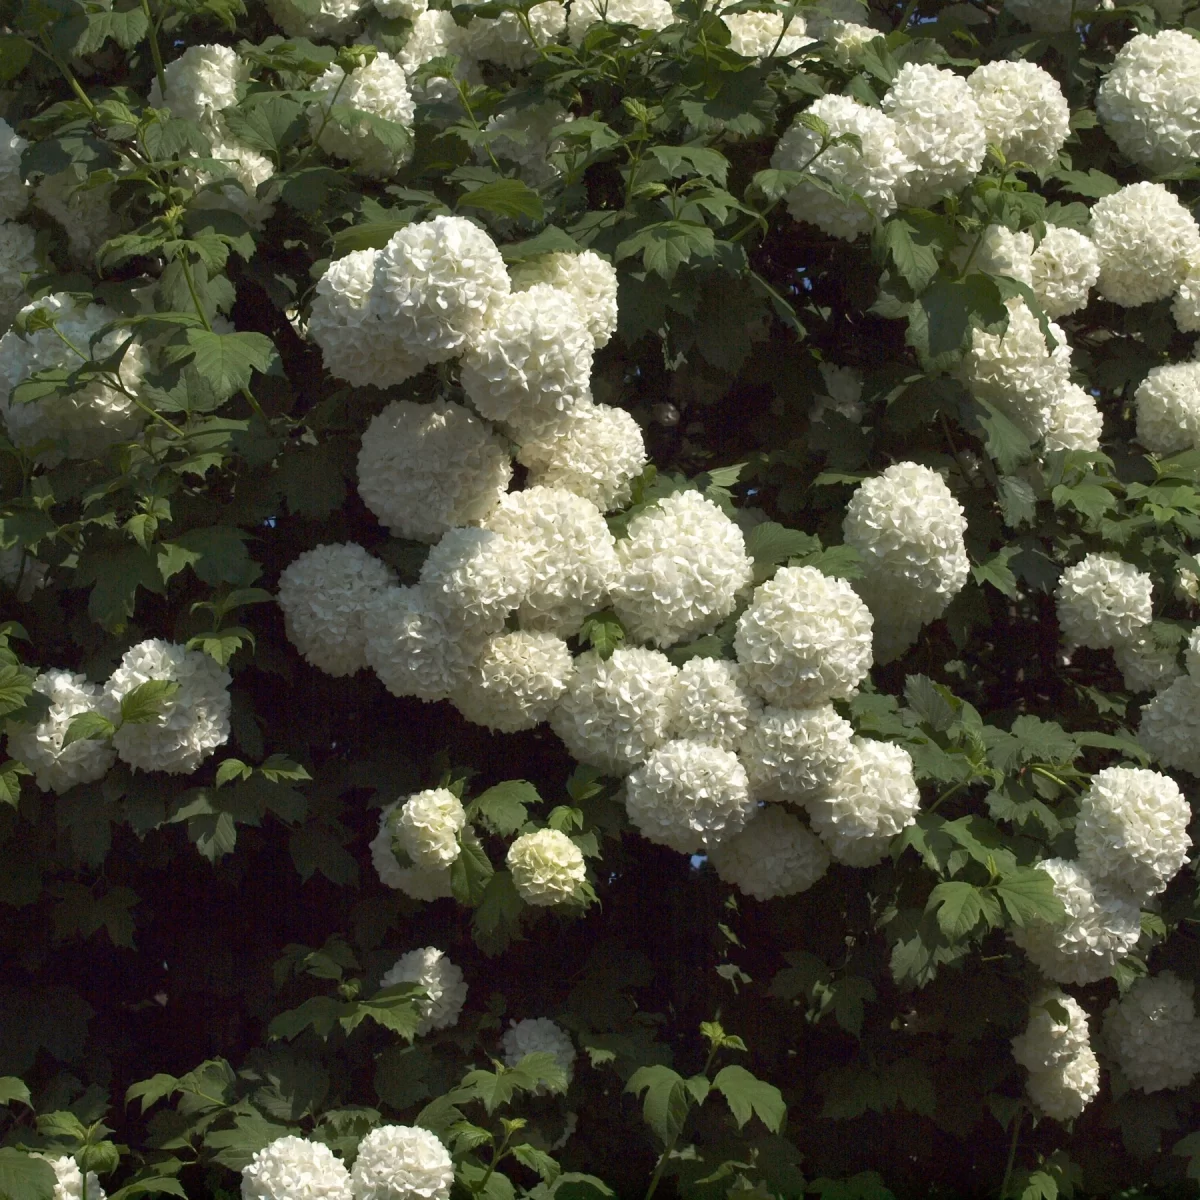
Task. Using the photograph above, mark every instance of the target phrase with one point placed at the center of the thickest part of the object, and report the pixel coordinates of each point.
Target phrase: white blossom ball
(85, 213)
(446, 992)
(293, 1168)
(1065, 267)
(333, 19)
(324, 594)
(1146, 240)
(1023, 110)
(412, 881)
(804, 639)
(436, 34)
(1000, 251)
(843, 394)
(795, 753)
(193, 721)
(505, 41)
(591, 281)
(14, 191)
(682, 567)
(539, 1035)
(441, 279)
(760, 35)
(1168, 408)
(825, 16)
(516, 681)
(17, 258)
(243, 170)
(649, 16)
(847, 39)
(877, 173)
(40, 746)
(1170, 726)
(1101, 601)
(709, 702)
(427, 826)
(380, 89)
(474, 578)
(1145, 666)
(1063, 1092)
(402, 1162)
(1056, 1033)
(68, 1179)
(532, 361)
(872, 798)
(775, 855)
(614, 711)
(526, 135)
(203, 80)
(547, 868)
(1100, 929)
(1131, 831)
(1152, 1033)
(1185, 308)
(1075, 421)
(689, 796)
(569, 551)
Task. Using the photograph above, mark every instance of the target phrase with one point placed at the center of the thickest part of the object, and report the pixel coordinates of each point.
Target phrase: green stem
(493, 1164)
(69, 76)
(155, 53)
(186, 266)
(661, 1165)
(1012, 1151)
(906, 15)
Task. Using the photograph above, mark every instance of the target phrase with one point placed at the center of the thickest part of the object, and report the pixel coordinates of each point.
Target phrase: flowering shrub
(598, 598)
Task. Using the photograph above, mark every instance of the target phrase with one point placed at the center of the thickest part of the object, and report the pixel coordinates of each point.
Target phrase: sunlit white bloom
(547, 868)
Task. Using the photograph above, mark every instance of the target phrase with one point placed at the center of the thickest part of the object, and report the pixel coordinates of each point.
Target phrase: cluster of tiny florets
(1153, 1035)
(445, 989)
(1064, 1074)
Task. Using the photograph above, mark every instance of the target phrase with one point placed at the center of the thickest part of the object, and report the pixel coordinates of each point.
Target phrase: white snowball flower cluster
(1063, 1092)
(17, 258)
(85, 422)
(474, 578)
(68, 1179)
(1186, 306)
(847, 39)
(709, 702)
(85, 213)
(1170, 726)
(202, 81)
(1152, 1033)
(1063, 270)
(689, 796)
(14, 191)
(805, 638)
(547, 868)
(525, 135)
(588, 279)
(872, 798)
(1023, 110)
(517, 680)
(1145, 666)
(436, 34)
(876, 173)
(324, 594)
(760, 35)
(1102, 601)
(292, 1168)
(194, 721)
(647, 15)
(40, 747)
(1057, 1032)
(402, 1162)
(446, 992)
(1075, 421)
(332, 19)
(1101, 928)
(539, 1035)
(794, 754)
(1147, 102)
(244, 169)
(427, 825)
(1168, 408)
(412, 881)
(775, 855)
(504, 40)
(379, 89)
(1000, 251)
(844, 388)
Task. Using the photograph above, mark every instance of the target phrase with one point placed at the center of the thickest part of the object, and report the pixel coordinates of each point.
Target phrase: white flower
(348, 323)
(443, 983)
(1132, 830)
(516, 682)
(441, 281)
(524, 135)
(1147, 102)
(683, 565)
(876, 174)
(614, 711)
(68, 1179)
(805, 639)
(402, 1162)
(291, 1168)
(1100, 929)
(1168, 408)
(427, 826)
(1186, 306)
(85, 422)
(504, 40)
(14, 191)
(1170, 726)
(758, 35)
(1145, 666)
(794, 753)
(1146, 240)
(938, 129)
(379, 89)
(689, 796)
(412, 881)
(1065, 267)
(569, 551)
(1000, 251)
(647, 15)
(845, 386)
(323, 594)
(84, 212)
(547, 867)
(775, 855)
(1062, 1093)
(709, 702)
(539, 1035)
(1056, 1033)
(1023, 110)
(1101, 601)
(1153, 1034)
(846, 38)
(473, 578)
(333, 19)
(1075, 421)
(203, 80)
(17, 258)
(436, 34)
(193, 721)
(244, 170)
(872, 798)
(825, 17)
(590, 280)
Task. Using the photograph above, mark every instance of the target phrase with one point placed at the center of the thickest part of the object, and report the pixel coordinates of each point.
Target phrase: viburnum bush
(598, 599)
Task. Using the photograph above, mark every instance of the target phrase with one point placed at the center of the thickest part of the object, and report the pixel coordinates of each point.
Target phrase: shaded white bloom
(441, 280)
(1023, 110)
(1101, 601)
(1100, 928)
(804, 639)
(427, 826)
(1064, 269)
(1056, 1033)
(402, 1162)
(825, 16)
(1145, 666)
(333, 19)
(709, 702)
(875, 174)
(1132, 830)
(794, 753)
(474, 578)
(420, 885)
(570, 553)
(872, 798)
(847, 38)
(1153, 1034)
(1168, 408)
(323, 594)
(1186, 306)
(547, 867)
(68, 1179)
(244, 169)
(1063, 1092)
(504, 40)
(1074, 422)
(1146, 240)
(614, 711)
(193, 721)
(436, 34)
(203, 80)
(14, 191)
(293, 1168)
(1000, 251)
(647, 15)
(443, 983)
(517, 680)
(844, 396)
(83, 211)
(40, 746)
(758, 35)
(17, 258)
(775, 855)
(1170, 726)
(689, 796)
(525, 136)
(591, 281)
(379, 89)
(539, 1035)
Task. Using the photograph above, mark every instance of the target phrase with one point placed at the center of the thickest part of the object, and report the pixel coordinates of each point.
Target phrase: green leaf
(602, 631)
(1004, 442)
(996, 571)
(771, 543)
(1028, 895)
(503, 807)
(667, 245)
(227, 361)
(10, 782)
(497, 919)
(86, 727)
(915, 260)
(151, 1091)
(368, 235)
(147, 702)
(126, 27)
(15, 688)
(23, 1177)
(747, 1095)
(15, 53)
(1018, 501)
(537, 1160)
(11, 1088)
(930, 702)
(1093, 184)
(508, 197)
(471, 870)
(550, 240)
(953, 306)
(217, 554)
(666, 1101)
(958, 908)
